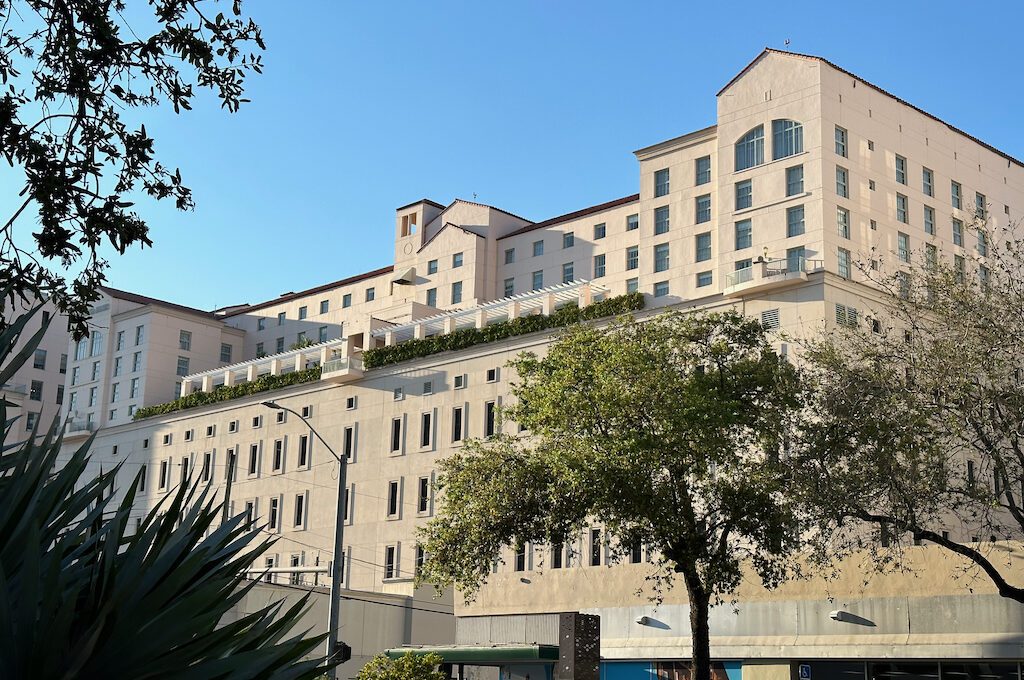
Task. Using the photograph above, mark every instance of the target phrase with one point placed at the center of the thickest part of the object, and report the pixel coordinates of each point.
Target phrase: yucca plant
(82, 595)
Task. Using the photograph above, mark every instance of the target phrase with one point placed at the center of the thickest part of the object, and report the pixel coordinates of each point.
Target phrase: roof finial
(786, 43)
(474, 195)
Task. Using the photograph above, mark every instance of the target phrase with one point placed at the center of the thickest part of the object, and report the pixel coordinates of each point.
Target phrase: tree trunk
(699, 630)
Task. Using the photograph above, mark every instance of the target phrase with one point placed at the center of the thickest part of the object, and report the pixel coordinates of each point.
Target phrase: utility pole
(335, 649)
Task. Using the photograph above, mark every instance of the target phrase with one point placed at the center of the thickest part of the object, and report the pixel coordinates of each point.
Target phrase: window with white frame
(750, 149)
(787, 138)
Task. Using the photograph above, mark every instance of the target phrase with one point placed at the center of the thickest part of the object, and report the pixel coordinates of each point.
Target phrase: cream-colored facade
(35, 392)
(839, 171)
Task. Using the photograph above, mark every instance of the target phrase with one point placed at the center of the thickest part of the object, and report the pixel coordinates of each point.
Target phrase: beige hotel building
(807, 169)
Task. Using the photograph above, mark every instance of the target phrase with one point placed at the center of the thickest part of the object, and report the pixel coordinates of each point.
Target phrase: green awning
(484, 655)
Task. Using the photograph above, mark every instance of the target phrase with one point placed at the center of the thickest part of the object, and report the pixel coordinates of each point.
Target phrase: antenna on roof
(474, 195)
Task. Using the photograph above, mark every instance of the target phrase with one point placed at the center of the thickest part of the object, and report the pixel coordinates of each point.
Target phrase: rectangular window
(661, 220)
(744, 194)
(346, 300)
(661, 257)
(115, 392)
(254, 459)
(95, 370)
(457, 430)
(980, 203)
(632, 257)
(795, 180)
(787, 138)
(632, 285)
(770, 319)
(432, 267)
(703, 170)
(960, 267)
(460, 381)
(184, 470)
(982, 243)
(568, 271)
(303, 312)
(393, 498)
(901, 209)
(510, 255)
(63, 364)
(207, 466)
(60, 394)
(520, 559)
(303, 460)
(300, 510)
(279, 345)
(456, 260)
(136, 362)
(321, 334)
(703, 247)
(929, 220)
(390, 562)
(661, 289)
(426, 429)
(510, 286)
(794, 221)
(182, 366)
(703, 208)
(599, 266)
(744, 232)
(843, 222)
(568, 239)
(35, 392)
(325, 306)
(260, 350)
(632, 222)
(225, 353)
(489, 419)
(261, 324)
(164, 473)
(844, 263)
(927, 182)
(456, 292)
(931, 255)
(661, 187)
(538, 248)
(903, 246)
(955, 194)
(371, 294)
(841, 138)
(75, 370)
(396, 435)
(842, 182)
(39, 359)
(595, 547)
(958, 232)
(557, 551)
(423, 495)
(795, 259)
(280, 318)
(432, 297)
(117, 364)
(704, 279)
(349, 442)
(600, 231)
(901, 169)
(275, 514)
(119, 343)
(133, 388)
(278, 461)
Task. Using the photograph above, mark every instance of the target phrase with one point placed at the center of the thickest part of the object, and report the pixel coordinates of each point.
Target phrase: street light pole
(337, 565)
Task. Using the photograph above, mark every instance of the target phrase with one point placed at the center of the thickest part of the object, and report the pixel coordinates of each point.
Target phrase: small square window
(350, 403)
(325, 306)
(632, 222)
(371, 294)
(398, 394)
(871, 145)
(538, 248)
(568, 239)
(510, 255)
(871, 184)
(632, 285)
(346, 300)
(167, 440)
(704, 279)
(233, 426)
(661, 289)
(456, 260)
(492, 375)
(257, 421)
(307, 411)
(600, 231)
(428, 387)
(188, 435)
(460, 381)
(280, 416)
(211, 430)
(432, 267)
(303, 312)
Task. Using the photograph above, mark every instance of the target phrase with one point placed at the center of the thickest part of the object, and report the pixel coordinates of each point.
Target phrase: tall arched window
(787, 138)
(750, 149)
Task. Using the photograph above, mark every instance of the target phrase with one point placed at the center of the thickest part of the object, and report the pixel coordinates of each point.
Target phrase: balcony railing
(342, 369)
(79, 427)
(773, 273)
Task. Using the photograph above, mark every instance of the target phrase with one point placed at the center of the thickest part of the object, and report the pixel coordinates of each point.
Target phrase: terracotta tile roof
(422, 200)
(144, 300)
(311, 291)
(878, 89)
(575, 215)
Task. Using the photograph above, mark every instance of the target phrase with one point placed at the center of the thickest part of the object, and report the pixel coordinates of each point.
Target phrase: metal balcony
(769, 275)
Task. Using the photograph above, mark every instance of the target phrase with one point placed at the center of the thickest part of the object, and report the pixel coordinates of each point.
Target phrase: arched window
(787, 138)
(750, 149)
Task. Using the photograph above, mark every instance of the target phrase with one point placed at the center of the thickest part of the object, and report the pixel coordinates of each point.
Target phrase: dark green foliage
(262, 384)
(85, 595)
(74, 76)
(461, 339)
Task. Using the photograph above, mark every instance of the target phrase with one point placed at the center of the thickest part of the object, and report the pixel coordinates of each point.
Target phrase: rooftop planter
(262, 384)
(468, 337)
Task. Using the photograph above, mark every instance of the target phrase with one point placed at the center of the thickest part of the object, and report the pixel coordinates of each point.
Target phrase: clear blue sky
(534, 106)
